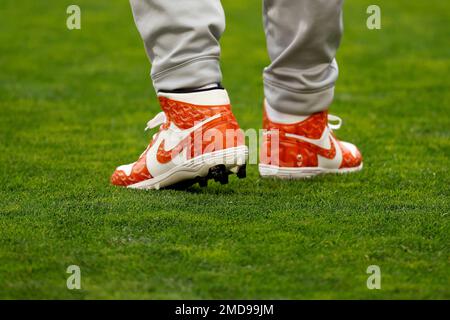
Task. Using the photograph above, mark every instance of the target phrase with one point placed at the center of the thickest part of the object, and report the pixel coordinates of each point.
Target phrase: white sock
(201, 98)
(279, 117)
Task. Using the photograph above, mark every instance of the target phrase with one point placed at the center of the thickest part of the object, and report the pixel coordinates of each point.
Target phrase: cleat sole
(215, 166)
(268, 171)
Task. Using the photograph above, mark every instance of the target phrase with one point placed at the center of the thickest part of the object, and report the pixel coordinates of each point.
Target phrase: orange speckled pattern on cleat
(186, 115)
(139, 172)
(348, 159)
(312, 127)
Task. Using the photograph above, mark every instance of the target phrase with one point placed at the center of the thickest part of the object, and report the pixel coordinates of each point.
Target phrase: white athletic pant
(182, 41)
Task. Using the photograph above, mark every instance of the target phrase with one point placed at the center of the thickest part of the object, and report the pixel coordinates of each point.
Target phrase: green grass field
(73, 105)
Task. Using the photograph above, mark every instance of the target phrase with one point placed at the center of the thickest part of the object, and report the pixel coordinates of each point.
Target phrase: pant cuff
(298, 103)
(191, 74)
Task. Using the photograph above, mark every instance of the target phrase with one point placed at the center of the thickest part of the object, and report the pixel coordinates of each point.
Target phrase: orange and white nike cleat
(198, 139)
(295, 147)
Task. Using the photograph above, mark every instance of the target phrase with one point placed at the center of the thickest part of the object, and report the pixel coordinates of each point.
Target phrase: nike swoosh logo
(324, 143)
(336, 161)
(167, 150)
(164, 156)
(328, 150)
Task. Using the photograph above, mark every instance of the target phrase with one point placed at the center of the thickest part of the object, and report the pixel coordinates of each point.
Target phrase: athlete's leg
(302, 39)
(198, 138)
(182, 41)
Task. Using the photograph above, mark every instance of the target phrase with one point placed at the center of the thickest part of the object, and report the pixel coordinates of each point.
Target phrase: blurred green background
(73, 105)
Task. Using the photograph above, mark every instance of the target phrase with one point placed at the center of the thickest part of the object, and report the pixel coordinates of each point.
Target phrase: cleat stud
(224, 179)
(217, 172)
(242, 172)
(203, 182)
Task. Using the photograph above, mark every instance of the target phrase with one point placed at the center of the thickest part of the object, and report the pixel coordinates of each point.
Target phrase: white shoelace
(158, 120)
(334, 122)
